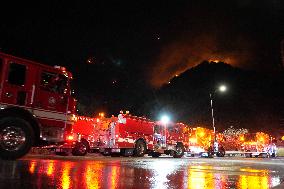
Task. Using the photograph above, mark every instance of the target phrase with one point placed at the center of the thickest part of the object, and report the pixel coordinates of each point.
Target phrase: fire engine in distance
(126, 135)
(137, 136)
(86, 136)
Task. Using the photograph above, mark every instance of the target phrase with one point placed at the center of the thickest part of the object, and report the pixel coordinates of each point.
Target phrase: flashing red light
(60, 68)
(70, 137)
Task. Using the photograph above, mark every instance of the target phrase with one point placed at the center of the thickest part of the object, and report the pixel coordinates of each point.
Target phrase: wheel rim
(140, 149)
(12, 138)
(82, 149)
(179, 150)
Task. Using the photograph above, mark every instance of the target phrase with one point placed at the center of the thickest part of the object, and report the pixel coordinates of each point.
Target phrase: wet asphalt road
(92, 171)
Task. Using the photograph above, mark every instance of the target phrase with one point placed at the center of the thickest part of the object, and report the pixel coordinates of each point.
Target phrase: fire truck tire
(61, 153)
(115, 154)
(220, 154)
(17, 138)
(179, 152)
(155, 154)
(80, 149)
(140, 148)
(273, 155)
(86, 143)
(248, 155)
(106, 153)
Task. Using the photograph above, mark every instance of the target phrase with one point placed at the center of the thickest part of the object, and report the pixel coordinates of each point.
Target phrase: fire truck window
(170, 128)
(53, 82)
(17, 74)
(62, 84)
(177, 130)
(157, 129)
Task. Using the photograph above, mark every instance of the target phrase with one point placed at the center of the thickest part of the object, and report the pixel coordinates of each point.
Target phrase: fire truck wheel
(80, 149)
(61, 153)
(106, 153)
(248, 155)
(86, 143)
(17, 137)
(179, 152)
(220, 154)
(140, 148)
(155, 154)
(115, 154)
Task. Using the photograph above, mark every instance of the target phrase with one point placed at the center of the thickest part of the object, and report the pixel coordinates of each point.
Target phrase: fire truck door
(159, 135)
(18, 84)
(112, 134)
(51, 93)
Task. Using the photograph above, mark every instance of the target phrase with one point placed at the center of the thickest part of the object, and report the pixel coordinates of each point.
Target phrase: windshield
(56, 83)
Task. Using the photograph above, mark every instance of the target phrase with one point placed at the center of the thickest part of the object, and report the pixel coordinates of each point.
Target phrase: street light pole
(222, 88)
(212, 115)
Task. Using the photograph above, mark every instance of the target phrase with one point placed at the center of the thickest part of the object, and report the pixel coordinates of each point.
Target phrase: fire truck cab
(199, 141)
(36, 106)
(171, 139)
(132, 135)
(258, 145)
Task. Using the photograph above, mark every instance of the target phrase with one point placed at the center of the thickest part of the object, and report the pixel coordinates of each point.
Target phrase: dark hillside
(253, 100)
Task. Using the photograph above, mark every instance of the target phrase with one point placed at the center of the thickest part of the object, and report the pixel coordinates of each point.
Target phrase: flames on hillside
(183, 54)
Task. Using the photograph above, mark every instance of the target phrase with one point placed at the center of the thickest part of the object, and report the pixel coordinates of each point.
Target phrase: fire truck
(200, 140)
(258, 145)
(86, 135)
(248, 145)
(36, 106)
(137, 136)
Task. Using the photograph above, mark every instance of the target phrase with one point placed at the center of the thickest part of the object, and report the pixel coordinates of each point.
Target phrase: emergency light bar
(60, 68)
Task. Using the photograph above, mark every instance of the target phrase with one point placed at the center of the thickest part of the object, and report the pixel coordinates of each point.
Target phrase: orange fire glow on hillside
(182, 55)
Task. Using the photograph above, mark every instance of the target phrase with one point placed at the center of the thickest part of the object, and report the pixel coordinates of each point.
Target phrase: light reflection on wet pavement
(138, 173)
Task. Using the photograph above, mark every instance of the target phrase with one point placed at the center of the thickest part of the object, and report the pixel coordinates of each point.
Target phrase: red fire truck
(132, 135)
(36, 105)
(86, 136)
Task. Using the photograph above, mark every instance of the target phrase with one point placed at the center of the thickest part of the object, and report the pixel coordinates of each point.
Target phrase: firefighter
(121, 118)
(112, 133)
(216, 146)
(210, 151)
(157, 136)
(272, 150)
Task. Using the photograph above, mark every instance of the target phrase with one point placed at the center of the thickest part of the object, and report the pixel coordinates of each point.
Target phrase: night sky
(122, 52)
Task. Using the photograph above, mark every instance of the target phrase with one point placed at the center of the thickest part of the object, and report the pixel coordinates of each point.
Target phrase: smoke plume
(183, 54)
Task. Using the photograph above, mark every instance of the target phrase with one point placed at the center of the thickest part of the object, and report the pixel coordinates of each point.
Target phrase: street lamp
(165, 120)
(221, 88)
